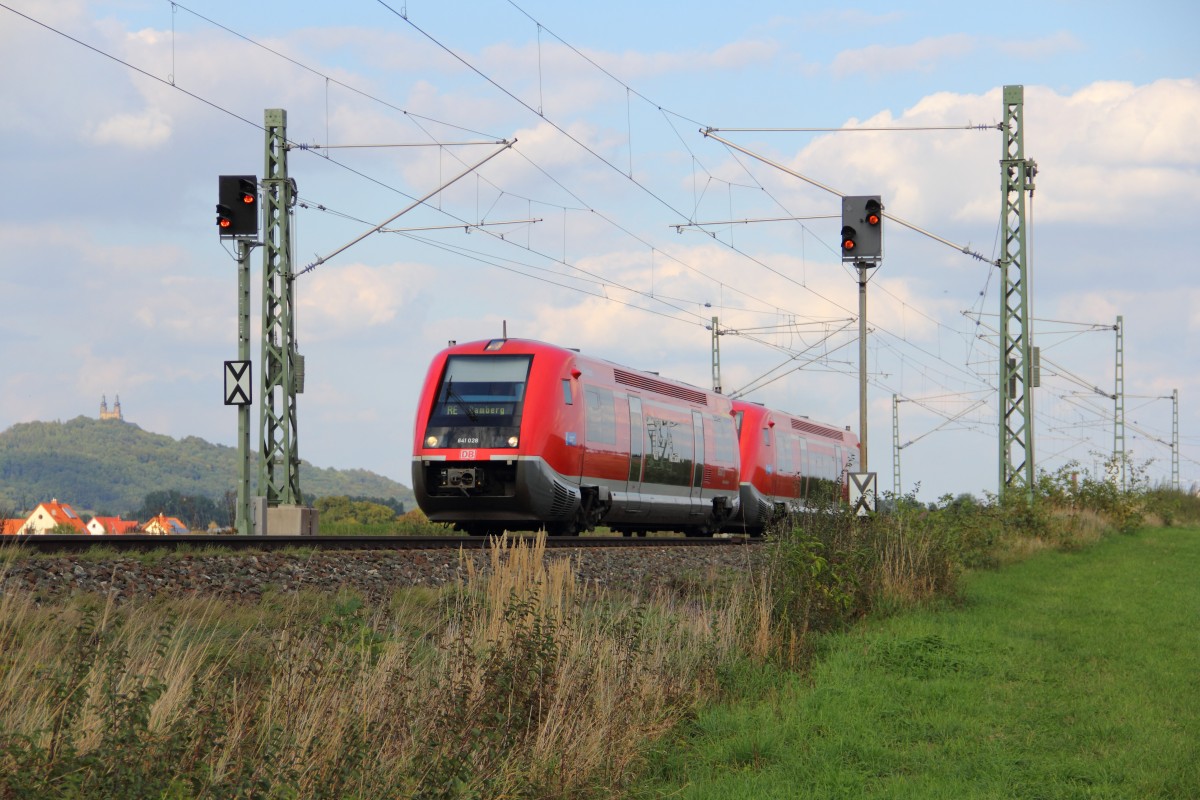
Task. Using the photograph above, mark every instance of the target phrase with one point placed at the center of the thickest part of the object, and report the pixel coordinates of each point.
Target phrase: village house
(100, 526)
(48, 516)
(164, 525)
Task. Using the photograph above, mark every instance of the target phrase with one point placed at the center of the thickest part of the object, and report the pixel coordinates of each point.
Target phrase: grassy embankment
(1070, 675)
(522, 683)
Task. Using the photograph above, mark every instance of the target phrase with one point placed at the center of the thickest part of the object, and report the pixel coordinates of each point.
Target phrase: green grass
(1072, 675)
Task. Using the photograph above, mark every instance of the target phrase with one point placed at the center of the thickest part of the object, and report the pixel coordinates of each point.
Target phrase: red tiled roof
(62, 514)
(117, 525)
(11, 527)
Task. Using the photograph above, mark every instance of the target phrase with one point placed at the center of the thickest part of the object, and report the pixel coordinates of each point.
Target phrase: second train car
(788, 462)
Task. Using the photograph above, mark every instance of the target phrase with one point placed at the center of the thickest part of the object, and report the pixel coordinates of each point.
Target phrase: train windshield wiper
(458, 401)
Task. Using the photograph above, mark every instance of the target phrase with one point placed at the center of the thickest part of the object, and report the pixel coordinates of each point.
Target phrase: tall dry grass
(518, 682)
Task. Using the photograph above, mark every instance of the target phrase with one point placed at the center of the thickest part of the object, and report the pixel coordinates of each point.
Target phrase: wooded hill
(109, 466)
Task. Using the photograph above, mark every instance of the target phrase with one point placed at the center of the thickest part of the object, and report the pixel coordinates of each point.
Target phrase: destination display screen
(479, 401)
(472, 410)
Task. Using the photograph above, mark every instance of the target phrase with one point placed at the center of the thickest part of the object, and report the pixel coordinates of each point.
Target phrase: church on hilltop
(115, 413)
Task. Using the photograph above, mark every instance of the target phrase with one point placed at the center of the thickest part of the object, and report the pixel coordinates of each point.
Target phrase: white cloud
(108, 375)
(1120, 123)
(149, 129)
(1109, 152)
(1114, 152)
(339, 300)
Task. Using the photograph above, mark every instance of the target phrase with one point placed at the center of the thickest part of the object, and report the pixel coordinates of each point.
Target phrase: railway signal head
(862, 229)
(872, 212)
(237, 206)
(849, 241)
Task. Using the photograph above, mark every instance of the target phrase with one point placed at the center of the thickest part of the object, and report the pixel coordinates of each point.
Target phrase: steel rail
(77, 543)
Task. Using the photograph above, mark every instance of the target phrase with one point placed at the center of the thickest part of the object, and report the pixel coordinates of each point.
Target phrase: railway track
(52, 543)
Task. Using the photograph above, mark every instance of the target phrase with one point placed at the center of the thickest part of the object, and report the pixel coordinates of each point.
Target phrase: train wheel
(570, 528)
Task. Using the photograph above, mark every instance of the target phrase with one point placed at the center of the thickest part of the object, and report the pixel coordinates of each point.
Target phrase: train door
(574, 453)
(768, 459)
(784, 487)
(843, 478)
(805, 469)
(698, 457)
(637, 452)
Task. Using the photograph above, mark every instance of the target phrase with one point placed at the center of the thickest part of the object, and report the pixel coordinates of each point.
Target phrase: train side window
(725, 438)
(785, 453)
(601, 416)
(567, 398)
(766, 437)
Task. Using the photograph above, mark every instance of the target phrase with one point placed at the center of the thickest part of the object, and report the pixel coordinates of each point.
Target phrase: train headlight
(512, 441)
(431, 441)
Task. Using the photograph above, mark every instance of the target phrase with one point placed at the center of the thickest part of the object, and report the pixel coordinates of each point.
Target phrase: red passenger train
(513, 434)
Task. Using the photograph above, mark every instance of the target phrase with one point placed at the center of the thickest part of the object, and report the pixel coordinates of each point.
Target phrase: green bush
(341, 509)
(821, 574)
(827, 567)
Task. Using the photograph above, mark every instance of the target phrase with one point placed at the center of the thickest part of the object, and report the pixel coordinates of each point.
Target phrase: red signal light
(874, 213)
(224, 216)
(849, 236)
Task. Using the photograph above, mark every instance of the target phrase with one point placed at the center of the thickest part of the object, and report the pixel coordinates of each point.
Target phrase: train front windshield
(479, 402)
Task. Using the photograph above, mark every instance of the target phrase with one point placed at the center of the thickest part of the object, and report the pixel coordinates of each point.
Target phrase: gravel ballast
(374, 574)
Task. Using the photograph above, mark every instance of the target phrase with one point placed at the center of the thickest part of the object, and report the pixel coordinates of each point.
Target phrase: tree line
(197, 511)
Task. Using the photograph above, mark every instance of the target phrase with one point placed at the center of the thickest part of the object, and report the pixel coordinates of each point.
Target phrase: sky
(613, 224)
